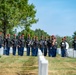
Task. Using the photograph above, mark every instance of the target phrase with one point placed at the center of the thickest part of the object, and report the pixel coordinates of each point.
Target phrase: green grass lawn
(28, 65)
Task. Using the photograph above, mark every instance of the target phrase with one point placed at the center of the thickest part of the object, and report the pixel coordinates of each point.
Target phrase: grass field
(28, 65)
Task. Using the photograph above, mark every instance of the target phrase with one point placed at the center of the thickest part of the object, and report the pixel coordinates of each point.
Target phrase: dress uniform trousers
(63, 52)
(21, 51)
(28, 51)
(14, 50)
(45, 51)
(7, 50)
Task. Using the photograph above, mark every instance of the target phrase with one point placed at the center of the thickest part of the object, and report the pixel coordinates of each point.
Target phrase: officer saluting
(54, 47)
(14, 44)
(28, 45)
(8, 44)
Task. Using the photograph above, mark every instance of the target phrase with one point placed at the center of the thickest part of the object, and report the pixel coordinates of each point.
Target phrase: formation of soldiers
(48, 46)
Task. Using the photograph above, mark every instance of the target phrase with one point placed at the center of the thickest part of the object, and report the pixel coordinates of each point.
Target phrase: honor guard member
(19, 43)
(14, 44)
(49, 44)
(36, 46)
(22, 45)
(4, 44)
(67, 45)
(28, 45)
(54, 47)
(63, 47)
(41, 44)
(33, 46)
(45, 46)
(8, 44)
(1, 40)
(74, 43)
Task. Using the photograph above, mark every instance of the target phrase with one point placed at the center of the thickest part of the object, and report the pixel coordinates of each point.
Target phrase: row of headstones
(70, 52)
(42, 64)
(11, 51)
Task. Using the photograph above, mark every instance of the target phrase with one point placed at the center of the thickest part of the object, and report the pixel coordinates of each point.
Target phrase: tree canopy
(16, 13)
(74, 34)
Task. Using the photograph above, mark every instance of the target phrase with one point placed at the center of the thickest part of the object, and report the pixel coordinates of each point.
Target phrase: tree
(74, 34)
(16, 13)
(59, 39)
(39, 33)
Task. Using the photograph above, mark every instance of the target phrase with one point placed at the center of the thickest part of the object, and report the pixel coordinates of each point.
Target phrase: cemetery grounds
(28, 65)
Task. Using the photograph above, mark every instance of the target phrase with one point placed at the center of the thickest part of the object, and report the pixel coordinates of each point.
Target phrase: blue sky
(56, 17)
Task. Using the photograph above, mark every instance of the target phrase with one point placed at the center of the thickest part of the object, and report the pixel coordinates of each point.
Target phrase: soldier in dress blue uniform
(41, 44)
(54, 47)
(4, 45)
(14, 44)
(63, 48)
(22, 45)
(36, 46)
(45, 46)
(19, 43)
(67, 45)
(28, 45)
(1, 40)
(74, 43)
(49, 44)
(8, 44)
(33, 46)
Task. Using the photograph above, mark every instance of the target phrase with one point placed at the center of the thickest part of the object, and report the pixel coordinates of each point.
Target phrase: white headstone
(1, 51)
(43, 64)
(74, 53)
(44, 67)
